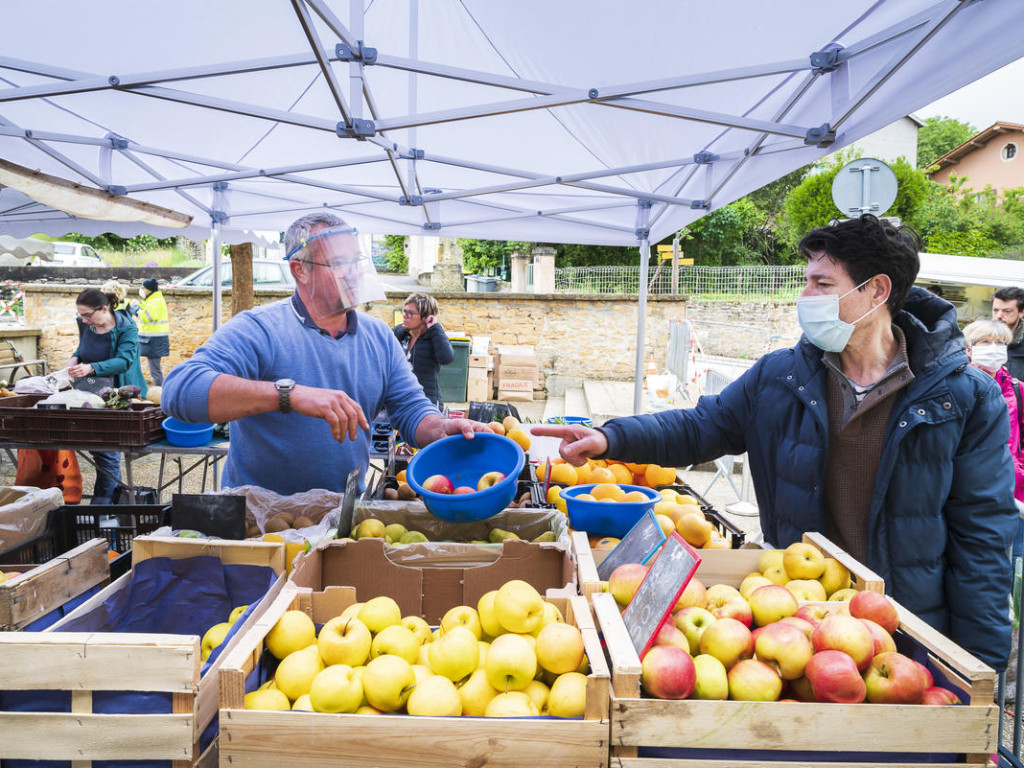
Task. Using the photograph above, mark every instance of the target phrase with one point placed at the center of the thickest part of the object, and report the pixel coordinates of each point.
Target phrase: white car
(270, 274)
(72, 255)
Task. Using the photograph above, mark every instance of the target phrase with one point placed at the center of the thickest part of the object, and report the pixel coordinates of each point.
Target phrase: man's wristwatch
(284, 394)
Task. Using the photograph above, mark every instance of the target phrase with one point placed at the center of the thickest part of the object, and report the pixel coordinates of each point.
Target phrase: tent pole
(643, 216)
(215, 228)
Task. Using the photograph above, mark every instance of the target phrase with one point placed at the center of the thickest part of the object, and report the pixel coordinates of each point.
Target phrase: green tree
(481, 255)
(938, 136)
(396, 258)
(958, 220)
(722, 237)
(576, 255)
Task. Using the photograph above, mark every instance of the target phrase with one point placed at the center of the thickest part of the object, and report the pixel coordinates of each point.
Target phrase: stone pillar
(447, 277)
(520, 260)
(543, 269)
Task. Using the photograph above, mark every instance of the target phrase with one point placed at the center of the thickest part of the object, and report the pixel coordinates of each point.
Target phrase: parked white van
(72, 255)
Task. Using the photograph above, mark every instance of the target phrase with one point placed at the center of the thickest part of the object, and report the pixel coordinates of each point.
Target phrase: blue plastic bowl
(186, 435)
(464, 462)
(601, 518)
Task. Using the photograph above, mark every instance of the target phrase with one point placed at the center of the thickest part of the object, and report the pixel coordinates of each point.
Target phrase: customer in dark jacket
(425, 343)
(873, 429)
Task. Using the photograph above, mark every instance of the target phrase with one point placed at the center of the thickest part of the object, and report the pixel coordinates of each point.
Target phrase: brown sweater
(856, 436)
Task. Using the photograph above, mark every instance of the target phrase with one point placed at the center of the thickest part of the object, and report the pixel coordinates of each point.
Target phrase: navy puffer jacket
(942, 516)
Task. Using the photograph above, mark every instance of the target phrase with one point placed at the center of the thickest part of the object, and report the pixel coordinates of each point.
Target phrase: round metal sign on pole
(866, 185)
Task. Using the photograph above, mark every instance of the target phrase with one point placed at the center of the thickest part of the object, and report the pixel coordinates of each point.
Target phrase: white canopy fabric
(540, 121)
(969, 270)
(25, 248)
(586, 121)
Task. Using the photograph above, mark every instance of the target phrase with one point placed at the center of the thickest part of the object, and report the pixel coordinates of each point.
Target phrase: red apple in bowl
(438, 484)
(464, 489)
(489, 479)
(894, 678)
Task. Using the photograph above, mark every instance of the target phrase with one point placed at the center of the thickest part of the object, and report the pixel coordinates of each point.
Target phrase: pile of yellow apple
(398, 535)
(776, 637)
(511, 656)
(215, 635)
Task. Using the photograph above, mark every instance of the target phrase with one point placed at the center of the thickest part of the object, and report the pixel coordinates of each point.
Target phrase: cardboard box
(518, 372)
(479, 390)
(439, 582)
(516, 385)
(89, 662)
(481, 361)
(266, 738)
(514, 397)
(516, 355)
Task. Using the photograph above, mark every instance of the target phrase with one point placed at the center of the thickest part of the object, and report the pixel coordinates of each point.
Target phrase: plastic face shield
(337, 250)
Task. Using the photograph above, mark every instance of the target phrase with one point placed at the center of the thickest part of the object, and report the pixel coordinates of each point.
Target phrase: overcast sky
(994, 98)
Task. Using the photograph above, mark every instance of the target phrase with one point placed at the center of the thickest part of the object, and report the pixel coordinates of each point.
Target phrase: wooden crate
(723, 566)
(970, 730)
(43, 588)
(258, 739)
(84, 662)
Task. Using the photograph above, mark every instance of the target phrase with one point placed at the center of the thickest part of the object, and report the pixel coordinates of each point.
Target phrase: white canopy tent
(587, 121)
(969, 270)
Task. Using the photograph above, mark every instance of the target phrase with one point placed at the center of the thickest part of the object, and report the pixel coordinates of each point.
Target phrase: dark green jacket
(123, 363)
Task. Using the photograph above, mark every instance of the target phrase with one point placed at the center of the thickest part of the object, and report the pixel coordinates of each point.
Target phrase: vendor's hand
(341, 412)
(465, 427)
(578, 443)
(79, 370)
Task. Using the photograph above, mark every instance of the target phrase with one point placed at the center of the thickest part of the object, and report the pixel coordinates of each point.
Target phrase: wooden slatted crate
(90, 662)
(723, 566)
(44, 588)
(260, 739)
(842, 736)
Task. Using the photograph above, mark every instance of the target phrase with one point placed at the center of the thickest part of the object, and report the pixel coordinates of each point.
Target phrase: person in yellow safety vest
(154, 328)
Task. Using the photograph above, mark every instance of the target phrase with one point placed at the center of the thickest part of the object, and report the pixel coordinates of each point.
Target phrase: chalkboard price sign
(637, 546)
(659, 591)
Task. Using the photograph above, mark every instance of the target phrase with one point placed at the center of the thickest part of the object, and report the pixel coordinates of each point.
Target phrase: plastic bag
(321, 506)
(23, 513)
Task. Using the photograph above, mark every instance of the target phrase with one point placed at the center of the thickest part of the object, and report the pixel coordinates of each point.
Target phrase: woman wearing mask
(987, 342)
(425, 343)
(109, 346)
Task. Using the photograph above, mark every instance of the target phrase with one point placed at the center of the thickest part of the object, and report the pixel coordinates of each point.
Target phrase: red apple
(771, 603)
(812, 613)
(894, 678)
(883, 640)
(667, 634)
(939, 696)
(802, 624)
(800, 689)
(719, 593)
(625, 580)
(694, 595)
(846, 634)
(724, 607)
(752, 680)
(489, 479)
(692, 622)
(728, 640)
(833, 677)
(667, 672)
(926, 673)
(784, 648)
(464, 489)
(438, 484)
(875, 606)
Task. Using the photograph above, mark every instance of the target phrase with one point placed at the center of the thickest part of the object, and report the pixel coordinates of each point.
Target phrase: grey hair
(116, 288)
(301, 229)
(987, 330)
(425, 304)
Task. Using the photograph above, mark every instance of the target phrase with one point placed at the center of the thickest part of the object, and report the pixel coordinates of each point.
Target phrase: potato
(276, 524)
(405, 492)
(391, 494)
(302, 522)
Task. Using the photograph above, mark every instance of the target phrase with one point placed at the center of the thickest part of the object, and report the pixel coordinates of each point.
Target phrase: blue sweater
(290, 453)
(942, 514)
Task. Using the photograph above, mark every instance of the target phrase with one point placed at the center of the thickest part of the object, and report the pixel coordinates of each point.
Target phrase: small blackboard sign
(637, 546)
(659, 591)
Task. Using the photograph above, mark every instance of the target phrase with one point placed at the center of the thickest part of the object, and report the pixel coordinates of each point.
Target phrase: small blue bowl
(602, 518)
(464, 462)
(186, 435)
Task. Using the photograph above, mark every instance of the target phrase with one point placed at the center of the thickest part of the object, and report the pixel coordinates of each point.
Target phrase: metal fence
(750, 283)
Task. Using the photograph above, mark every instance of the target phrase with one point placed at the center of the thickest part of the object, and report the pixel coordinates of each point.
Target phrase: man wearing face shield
(298, 377)
(873, 430)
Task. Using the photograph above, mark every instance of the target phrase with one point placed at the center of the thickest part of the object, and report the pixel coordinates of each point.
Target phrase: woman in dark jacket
(109, 346)
(425, 343)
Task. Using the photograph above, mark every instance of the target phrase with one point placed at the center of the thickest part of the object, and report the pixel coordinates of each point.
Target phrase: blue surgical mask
(819, 319)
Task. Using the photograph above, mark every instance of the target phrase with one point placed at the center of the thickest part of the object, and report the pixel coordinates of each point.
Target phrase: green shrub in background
(396, 259)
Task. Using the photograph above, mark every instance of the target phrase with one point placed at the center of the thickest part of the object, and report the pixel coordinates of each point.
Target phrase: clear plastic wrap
(320, 506)
(23, 513)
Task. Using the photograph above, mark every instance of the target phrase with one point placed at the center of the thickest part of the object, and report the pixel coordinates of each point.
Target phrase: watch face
(284, 383)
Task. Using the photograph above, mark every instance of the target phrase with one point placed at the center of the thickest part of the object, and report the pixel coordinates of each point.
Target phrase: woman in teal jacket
(108, 346)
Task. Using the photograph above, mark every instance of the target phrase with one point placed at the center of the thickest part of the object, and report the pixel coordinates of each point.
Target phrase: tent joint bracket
(356, 129)
(116, 189)
(705, 158)
(822, 136)
(827, 59)
(699, 205)
(360, 53)
(411, 200)
(432, 225)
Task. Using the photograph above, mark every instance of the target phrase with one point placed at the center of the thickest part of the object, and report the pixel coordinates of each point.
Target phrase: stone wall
(575, 337)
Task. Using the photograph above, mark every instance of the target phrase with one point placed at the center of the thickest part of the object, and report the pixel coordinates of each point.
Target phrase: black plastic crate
(118, 524)
(39, 550)
(136, 426)
(725, 527)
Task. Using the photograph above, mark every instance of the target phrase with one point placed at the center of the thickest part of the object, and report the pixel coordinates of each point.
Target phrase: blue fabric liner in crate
(165, 596)
(905, 645)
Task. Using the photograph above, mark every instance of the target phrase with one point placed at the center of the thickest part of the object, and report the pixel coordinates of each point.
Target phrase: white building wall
(896, 140)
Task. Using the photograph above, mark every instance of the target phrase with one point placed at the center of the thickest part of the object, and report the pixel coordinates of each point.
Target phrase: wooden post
(241, 278)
